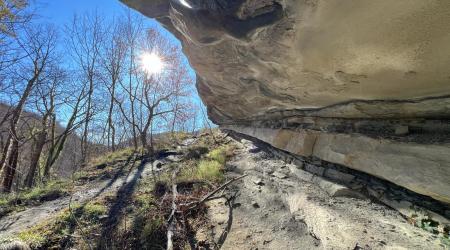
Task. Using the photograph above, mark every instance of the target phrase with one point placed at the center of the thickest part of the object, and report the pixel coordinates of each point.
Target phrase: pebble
(255, 204)
(258, 181)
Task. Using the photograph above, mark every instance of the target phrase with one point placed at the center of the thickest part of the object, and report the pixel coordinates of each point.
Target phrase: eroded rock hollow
(364, 84)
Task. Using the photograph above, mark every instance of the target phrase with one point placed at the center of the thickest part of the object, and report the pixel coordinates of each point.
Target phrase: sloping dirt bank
(275, 207)
(17, 222)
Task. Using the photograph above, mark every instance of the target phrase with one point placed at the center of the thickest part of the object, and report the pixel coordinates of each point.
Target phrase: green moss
(53, 189)
(144, 201)
(93, 211)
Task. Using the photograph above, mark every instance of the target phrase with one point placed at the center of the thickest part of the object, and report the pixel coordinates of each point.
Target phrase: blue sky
(60, 13)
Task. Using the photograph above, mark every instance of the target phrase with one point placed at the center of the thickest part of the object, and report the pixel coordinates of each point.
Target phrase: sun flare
(151, 63)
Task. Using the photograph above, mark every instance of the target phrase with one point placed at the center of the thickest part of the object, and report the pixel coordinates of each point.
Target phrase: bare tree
(47, 93)
(113, 60)
(76, 119)
(38, 44)
(133, 32)
(85, 39)
(153, 95)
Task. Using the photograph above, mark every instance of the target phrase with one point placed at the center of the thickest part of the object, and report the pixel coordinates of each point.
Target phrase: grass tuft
(34, 238)
(210, 170)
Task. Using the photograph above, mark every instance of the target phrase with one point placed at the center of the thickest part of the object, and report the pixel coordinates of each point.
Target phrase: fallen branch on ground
(208, 196)
(172, 219)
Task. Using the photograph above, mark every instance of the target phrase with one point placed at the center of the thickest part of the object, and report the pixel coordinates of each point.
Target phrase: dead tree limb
(172, 219)
(209, 195)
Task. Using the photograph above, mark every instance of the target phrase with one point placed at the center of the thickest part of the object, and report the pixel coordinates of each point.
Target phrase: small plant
(218, 154)
(33, 238)
(210, 170)
(221, 154)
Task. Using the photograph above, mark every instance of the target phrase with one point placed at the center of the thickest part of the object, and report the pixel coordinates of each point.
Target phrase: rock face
(420, 168)
(334, 67)
(330, 58)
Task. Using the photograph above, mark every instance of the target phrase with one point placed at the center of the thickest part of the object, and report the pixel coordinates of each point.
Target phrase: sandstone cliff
(364, 84)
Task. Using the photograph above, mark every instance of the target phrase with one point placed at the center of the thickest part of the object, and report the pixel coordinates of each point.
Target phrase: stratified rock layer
(340, 65)
(420, 168)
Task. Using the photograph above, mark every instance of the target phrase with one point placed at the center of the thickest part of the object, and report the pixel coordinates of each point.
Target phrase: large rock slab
(421, 168)
(327, 58)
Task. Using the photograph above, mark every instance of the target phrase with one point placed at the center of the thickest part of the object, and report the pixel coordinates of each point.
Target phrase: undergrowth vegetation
(58, 232)
(109, 164)
(113, 157)
(117, 219)
(208, 166)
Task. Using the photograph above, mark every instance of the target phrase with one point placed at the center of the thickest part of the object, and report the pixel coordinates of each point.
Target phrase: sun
(151, 63)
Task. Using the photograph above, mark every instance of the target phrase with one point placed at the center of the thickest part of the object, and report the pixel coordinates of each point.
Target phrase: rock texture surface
(420, 168)
(293, 213)
(326, 58)
(339, 66)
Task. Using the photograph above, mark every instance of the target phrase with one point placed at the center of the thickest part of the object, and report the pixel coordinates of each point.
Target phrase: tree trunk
(144, 139)
(35, 156)
(10, 168)
(111, 128)
(10, 152)
(6, 150)
(85, 143)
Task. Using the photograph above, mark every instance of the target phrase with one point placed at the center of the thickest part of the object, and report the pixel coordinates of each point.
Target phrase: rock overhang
(339, 63)
(255, 56)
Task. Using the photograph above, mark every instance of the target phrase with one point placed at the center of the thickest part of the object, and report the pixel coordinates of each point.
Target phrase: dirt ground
(16, 222)
(273, 209)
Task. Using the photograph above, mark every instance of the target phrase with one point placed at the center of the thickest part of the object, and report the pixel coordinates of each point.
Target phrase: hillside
(66, 163)
(124, 201)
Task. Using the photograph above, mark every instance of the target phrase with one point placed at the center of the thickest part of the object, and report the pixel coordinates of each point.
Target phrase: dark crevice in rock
(422, 131)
